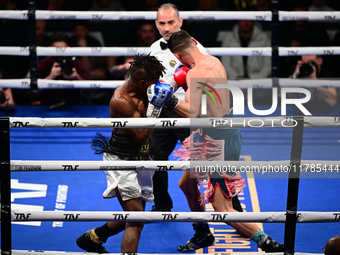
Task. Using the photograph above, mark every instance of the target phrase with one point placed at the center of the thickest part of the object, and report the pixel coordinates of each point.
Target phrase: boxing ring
(296, 125)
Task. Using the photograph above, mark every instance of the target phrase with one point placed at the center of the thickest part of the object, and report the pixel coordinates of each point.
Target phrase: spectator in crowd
(300, 33)
(113, 35)
(311, 67)
(6, 97)
(145, 35)
(264, 6)
(142, 5)
(62, 68)
(320, 5)
(238, 5)
(52, 5)
(106, 5)
(150, 5)
(82, 38)
(332, 247)
(42, 38)
(96, 65)
(206, 31)
(80, 5)
(56, 5)
(20, 38)
(5, 5)
(247, 33)
(119, 72)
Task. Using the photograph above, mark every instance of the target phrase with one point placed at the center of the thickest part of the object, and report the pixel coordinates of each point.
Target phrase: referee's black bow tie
(164, 45)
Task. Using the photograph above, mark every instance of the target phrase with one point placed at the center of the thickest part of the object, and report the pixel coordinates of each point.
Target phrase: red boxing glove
(180, 75)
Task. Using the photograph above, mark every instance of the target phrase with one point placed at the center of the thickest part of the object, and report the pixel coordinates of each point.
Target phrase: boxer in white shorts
(130, 184)
(142, 95)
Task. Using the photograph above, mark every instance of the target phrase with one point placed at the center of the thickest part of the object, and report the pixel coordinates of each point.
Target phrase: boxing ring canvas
(82, 190)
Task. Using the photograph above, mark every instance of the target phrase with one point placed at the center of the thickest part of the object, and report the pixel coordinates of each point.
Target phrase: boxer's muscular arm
(191, 106)
(124, 107)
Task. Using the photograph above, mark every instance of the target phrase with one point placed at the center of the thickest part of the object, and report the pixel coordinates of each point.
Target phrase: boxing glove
(180, 75)
(178, 78)
(158, 94)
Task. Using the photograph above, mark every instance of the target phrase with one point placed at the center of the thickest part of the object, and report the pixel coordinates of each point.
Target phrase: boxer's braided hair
(150, 64)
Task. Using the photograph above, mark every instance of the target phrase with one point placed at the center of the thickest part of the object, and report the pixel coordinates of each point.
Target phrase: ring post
(32, 48)
(5, 180)
(293, 187)
(275, 42)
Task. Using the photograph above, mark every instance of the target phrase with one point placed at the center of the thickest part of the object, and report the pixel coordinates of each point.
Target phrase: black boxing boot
(270, 245)
(202, 238)
(90, 242)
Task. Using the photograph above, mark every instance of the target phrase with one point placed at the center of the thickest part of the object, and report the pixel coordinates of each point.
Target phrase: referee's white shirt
(169, 61)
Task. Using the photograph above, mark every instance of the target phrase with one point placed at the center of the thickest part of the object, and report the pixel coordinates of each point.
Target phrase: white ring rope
(279, 121)
(113, 84)
(308, 83)
(187, 15)
(299, 51)
(266, 217)
(130, 51)
(317, 166)
(30, 252)
(308, 16)
(131, 15)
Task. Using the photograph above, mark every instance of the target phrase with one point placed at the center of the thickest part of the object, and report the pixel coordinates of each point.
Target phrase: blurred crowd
(142, 33)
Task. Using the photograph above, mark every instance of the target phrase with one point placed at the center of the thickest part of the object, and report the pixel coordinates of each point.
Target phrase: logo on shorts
(172, 63)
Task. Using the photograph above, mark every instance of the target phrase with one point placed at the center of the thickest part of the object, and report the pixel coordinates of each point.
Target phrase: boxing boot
(270, 245)
(90, 242)
(202, 238)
